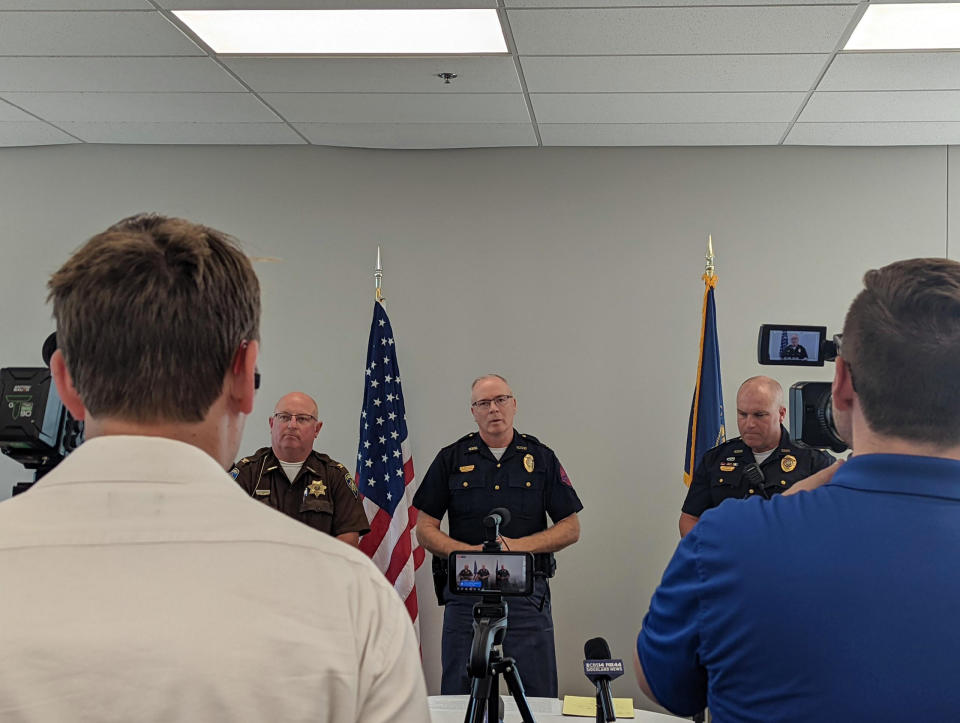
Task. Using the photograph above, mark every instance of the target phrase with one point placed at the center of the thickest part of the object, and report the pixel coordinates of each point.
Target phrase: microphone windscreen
(503, 512)
(596, 649)
(49, 346)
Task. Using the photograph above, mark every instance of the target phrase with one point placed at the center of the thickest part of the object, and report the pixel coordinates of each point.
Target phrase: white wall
(573, 272)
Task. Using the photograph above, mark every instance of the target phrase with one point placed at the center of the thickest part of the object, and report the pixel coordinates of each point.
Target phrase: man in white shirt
(139, 581)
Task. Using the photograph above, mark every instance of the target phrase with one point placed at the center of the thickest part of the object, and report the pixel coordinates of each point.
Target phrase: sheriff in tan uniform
(293, 478)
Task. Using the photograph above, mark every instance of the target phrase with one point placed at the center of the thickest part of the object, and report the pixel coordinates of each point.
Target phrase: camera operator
(764, 442)
(837, 604)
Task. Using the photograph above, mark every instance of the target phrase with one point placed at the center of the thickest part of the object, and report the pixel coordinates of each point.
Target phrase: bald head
(299, 400)
(760, 412)
(293, 427)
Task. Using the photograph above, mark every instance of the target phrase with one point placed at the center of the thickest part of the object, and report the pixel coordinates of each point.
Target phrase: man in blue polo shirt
(838, 603)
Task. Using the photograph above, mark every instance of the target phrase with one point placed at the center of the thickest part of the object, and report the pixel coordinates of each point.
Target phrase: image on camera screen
(495, 572)
(791, 344)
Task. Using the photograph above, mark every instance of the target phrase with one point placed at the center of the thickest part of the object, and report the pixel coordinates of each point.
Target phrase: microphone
(496, 517)
(600, 670)
(754, 477)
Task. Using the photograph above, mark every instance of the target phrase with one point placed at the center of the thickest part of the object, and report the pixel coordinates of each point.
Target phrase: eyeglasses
(500, 401)
(302, 419)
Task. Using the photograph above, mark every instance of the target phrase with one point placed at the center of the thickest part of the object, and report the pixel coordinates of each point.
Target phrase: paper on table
(581, 705)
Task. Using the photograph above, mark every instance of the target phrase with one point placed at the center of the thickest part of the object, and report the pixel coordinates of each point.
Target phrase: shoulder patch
(564, 478)
(235, 472)
(350, 483)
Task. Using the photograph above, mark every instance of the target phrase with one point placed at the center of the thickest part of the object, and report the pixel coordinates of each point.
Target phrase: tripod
(486, 663)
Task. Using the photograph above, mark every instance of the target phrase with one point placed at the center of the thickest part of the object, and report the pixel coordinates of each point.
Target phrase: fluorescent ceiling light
(347, 32)
(907, 26)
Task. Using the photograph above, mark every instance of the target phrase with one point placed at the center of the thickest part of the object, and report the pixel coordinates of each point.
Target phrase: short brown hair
(150, 314)
(901, 338)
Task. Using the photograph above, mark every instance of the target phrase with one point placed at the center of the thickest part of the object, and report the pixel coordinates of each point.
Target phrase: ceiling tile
(75, 5)
(399, 107)
(91, 33)
(185, 133)
(661, 134)
(9, 112)
(321, 4)
(377, 75)
(893, 71)
(683, 31)
(31, 133)
(419, 135)
(114, 74)
(662, 3)
(870, 106)
(874, 134)
(677, 73)
(666, 107)
(145, 107)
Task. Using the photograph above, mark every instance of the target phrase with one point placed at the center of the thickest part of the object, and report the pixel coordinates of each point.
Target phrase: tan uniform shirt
(139, 583)
(322, 495)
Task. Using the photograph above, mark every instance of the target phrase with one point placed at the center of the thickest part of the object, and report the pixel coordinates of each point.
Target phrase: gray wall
(573, 272)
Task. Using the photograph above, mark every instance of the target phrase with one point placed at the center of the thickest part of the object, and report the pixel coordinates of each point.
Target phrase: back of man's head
(150, 314)
(901, 339)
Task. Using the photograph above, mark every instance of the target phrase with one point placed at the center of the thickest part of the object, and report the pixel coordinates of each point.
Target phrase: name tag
(467, 468)
(263, 493)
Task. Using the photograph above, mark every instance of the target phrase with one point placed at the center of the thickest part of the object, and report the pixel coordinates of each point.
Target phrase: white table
(451, 709)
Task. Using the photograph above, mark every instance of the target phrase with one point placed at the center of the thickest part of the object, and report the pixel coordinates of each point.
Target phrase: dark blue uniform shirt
(466, 481)
(719, 475)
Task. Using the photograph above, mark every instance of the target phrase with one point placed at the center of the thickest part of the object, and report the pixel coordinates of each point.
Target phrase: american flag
(385, 466)
(783, 342)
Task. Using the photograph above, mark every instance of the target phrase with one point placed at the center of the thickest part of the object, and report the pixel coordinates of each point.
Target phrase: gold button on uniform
(751, 491)
(528, 484)
(496, 487)
(466, 484)
(783, 481)
(498, 465)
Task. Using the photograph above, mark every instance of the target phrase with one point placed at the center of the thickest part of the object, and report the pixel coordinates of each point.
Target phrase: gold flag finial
(710, 268)
(378, 277)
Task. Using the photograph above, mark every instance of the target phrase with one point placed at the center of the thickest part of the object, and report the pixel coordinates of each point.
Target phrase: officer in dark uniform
(503, 577)
(795, 350)
(498, 467)
(483, 575)
(724, 471)
(467, 574)
(306, 485)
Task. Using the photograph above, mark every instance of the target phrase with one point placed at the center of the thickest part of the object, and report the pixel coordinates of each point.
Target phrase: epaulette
(255, 457)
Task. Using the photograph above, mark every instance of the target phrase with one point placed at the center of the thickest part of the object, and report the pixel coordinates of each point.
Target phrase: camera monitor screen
(503, 573)
(791, 345)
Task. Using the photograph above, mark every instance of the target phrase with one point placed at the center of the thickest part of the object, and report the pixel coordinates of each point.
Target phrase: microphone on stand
(600, 670)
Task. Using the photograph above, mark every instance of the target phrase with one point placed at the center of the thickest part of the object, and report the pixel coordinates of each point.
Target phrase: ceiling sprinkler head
(447, 77)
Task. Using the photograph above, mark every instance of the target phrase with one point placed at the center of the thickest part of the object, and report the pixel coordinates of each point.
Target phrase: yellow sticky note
(581, 705)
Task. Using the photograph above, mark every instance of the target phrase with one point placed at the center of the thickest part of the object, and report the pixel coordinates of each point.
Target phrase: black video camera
(811, 412)
(36, 430)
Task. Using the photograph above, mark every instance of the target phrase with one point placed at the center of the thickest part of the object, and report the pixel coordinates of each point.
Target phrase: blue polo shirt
(838, 604)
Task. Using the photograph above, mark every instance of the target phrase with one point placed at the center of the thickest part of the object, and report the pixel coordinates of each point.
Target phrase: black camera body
(36, 429)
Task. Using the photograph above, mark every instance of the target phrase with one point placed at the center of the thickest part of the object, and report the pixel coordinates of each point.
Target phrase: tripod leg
(479, 691)
(512, 677)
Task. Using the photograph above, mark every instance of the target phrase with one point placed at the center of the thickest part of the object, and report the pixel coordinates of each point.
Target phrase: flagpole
(378, 277)
(709, 270)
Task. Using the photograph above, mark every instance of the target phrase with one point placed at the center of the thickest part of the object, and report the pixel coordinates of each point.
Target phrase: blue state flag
(706, 427)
